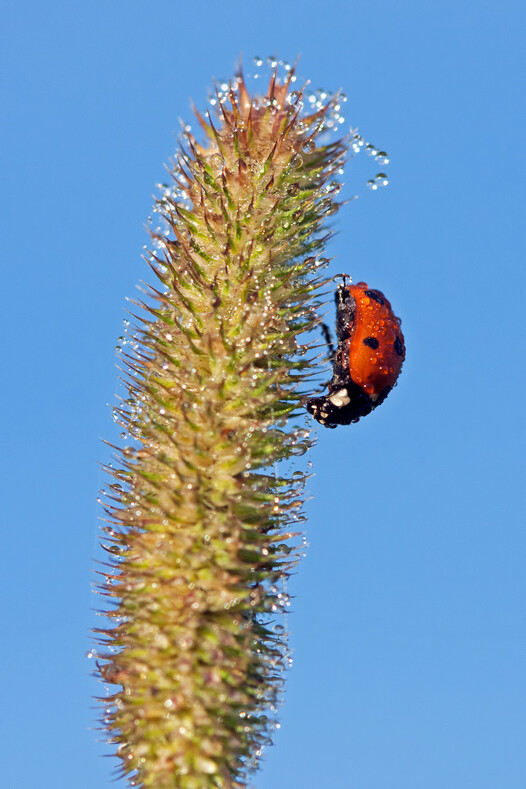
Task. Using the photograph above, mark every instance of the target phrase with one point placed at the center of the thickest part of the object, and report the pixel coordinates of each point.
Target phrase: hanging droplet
(294, 97)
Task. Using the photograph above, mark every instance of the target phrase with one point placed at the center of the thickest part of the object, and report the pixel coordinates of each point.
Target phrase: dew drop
(216, 161)
(296, 162)
(357, 143)
(334, 187)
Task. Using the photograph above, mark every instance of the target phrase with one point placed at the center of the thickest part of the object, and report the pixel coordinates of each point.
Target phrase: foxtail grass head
(203, 514)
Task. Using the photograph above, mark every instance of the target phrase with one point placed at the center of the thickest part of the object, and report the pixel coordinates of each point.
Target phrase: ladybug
(368, 358)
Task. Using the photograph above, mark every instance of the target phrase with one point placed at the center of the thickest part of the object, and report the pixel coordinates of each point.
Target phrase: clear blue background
(408, 623)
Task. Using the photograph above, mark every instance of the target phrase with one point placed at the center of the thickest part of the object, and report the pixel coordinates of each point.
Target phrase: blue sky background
(408, 624)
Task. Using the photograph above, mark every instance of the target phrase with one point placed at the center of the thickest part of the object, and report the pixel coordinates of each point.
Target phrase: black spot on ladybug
(371, 342)
(374, 296)
(399, 348)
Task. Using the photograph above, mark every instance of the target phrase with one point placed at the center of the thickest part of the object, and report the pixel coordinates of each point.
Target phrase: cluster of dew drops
(300, 97)
(313, 100)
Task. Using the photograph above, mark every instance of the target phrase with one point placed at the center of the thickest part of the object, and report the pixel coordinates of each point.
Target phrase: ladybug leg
(327, 336)
(331, 356)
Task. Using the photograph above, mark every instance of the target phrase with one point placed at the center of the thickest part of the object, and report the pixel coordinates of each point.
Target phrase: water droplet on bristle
(216, 161)
(294, 97)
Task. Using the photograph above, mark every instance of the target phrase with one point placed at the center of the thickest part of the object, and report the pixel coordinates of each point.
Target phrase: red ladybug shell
(368, 359)
(376, 344)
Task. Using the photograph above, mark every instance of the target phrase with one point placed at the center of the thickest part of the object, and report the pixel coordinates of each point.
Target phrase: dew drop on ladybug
(368, 359)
